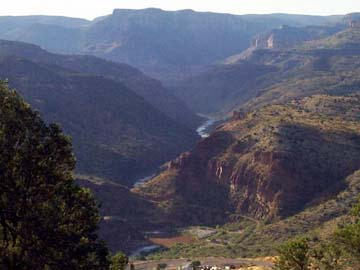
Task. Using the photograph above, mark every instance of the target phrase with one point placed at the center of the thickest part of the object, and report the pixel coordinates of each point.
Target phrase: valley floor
(239, 263)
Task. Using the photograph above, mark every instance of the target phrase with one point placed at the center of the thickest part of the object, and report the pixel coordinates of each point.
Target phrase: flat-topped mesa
(354, 24)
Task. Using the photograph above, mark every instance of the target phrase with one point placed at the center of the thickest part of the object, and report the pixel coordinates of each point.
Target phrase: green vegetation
(161, 266)
(196, 264)
(294, 255)
(46, 221)
(119, 261)
(340, 251)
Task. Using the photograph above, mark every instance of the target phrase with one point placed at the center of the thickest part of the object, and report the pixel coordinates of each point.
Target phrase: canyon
(249, 133)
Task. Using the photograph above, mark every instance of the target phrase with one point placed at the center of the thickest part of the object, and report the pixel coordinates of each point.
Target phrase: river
(143, 180)
(145, 250)
(202, 130)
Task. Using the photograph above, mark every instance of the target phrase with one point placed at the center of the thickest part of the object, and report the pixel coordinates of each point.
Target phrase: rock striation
(266, 164)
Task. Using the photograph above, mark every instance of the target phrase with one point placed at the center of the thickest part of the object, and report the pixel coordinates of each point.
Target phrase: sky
(90, 9)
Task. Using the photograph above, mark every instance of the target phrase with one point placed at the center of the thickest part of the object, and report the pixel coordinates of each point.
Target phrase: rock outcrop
(354, 24)
(267, 164)
(286, 36)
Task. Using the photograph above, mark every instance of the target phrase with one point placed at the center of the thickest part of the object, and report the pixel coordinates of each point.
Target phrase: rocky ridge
(266, 165)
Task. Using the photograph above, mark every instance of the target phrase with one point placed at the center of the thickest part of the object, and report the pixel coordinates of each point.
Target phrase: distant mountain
(286, 37)
(167, 44)
(276, 74)
(116, 133)
(266, 164)
(49, 31)
(347, 39)
(152, 90)
(286, 163)
(9, 23)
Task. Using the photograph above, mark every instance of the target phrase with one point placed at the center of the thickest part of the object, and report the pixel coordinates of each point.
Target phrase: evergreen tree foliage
(341, 251)
(348, 236)
(46, 221)
(294, 255)
(119, 261)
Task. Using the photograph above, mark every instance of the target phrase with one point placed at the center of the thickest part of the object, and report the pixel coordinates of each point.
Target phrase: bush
(119, 261)
(196, 264)
(294, 255)
(161, 266)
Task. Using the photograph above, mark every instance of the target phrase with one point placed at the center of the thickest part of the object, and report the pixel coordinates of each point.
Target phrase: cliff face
(259, 77)
(164, 44)
(354, 24)
(267, 164)
(286, 36)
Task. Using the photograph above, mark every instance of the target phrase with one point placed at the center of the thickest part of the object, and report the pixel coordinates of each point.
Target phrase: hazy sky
(93, 8)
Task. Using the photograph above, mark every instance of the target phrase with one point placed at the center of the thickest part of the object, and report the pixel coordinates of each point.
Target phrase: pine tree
(46, 220)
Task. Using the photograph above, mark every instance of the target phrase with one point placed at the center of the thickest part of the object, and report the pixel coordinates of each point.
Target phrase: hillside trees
(341, 251)
(46, 221)
(119, 261)
(294, 255)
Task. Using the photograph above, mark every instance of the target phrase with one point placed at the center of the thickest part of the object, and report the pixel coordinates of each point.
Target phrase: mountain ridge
(298, 71)
(165, 44)
(151, 89)
(114, 129)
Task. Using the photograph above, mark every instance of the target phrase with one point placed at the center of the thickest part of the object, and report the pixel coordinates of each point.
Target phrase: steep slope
(168, 44)
(264, 164)
(125, 215)
(221, 88)
(116, 133)
(328, 68)
(244, 238)
(286, 36)
(348, 39)
(152, 90)
(271, 76)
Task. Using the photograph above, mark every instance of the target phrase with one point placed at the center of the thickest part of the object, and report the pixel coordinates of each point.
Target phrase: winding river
(145, 250)
(143, 180)
(202, 130)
